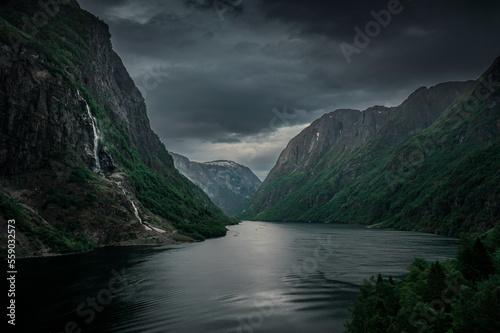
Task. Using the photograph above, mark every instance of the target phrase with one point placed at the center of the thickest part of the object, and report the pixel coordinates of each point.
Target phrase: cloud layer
(238, 82)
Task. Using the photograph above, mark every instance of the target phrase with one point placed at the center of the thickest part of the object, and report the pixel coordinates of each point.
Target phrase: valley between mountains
(430, 164)
(81, 167)
(157, 241)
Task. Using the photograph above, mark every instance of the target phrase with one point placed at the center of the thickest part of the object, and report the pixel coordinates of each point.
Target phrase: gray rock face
(41, 114)
(344, 130)
(337, 135)
(71, 119)
(230, 185)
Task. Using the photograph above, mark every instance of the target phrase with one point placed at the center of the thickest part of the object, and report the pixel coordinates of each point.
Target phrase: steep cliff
(230, 185)
(79, 163)
(380, 166)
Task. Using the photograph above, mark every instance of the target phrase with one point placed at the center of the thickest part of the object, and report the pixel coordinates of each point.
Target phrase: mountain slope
(230, 185)
(78, 159)
(416, 172)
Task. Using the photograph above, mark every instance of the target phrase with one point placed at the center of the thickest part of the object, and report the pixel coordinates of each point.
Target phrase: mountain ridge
(355, 184)
(80, 165)
(229, 184)
(363, 126)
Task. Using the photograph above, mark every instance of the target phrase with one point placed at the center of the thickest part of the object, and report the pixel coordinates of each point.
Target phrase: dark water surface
(261, 277)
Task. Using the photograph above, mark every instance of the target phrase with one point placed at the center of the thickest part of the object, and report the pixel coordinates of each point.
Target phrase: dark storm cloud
(217, 85)
(98, 8)
(337, 18)
(427, 40)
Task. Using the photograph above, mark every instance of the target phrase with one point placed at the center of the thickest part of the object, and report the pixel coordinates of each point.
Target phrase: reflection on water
(261, 277)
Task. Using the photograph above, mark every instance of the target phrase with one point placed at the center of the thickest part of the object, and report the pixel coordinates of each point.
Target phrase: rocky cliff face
(79, 163)
(34, 90)
(230, 185)
(379, 165)
(339, 134)
(346, 130)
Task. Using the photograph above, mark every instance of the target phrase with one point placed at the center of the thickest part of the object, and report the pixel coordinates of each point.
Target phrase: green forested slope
(445, 179)
(49, 68)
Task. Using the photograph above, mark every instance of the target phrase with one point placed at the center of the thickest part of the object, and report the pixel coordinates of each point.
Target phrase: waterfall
(97, 138)
(136, 211)
(146, 225)
(97, 169)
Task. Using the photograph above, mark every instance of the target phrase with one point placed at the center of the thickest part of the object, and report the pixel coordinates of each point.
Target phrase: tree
(475, 262)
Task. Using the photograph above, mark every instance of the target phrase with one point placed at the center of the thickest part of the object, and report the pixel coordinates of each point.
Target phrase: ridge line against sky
(239, 83)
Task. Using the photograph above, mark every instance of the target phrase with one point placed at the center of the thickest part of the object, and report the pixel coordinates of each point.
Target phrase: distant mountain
(230, 185)
(79, 164)
(430, 164)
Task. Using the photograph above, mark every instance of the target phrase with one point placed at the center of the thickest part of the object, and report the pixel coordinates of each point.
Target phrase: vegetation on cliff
(64, 206)
(443, 179)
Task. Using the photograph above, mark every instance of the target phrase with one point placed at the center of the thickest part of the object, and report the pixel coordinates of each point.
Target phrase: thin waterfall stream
(97, 169)
(97, 138)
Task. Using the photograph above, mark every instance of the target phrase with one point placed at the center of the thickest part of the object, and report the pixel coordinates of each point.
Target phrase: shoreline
(52, 254)
(371, 226)
(129, 244)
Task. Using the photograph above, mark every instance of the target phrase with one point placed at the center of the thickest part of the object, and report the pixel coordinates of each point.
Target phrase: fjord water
(261, 277)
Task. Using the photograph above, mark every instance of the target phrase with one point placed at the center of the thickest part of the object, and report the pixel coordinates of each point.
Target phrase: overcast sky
(237, 81)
